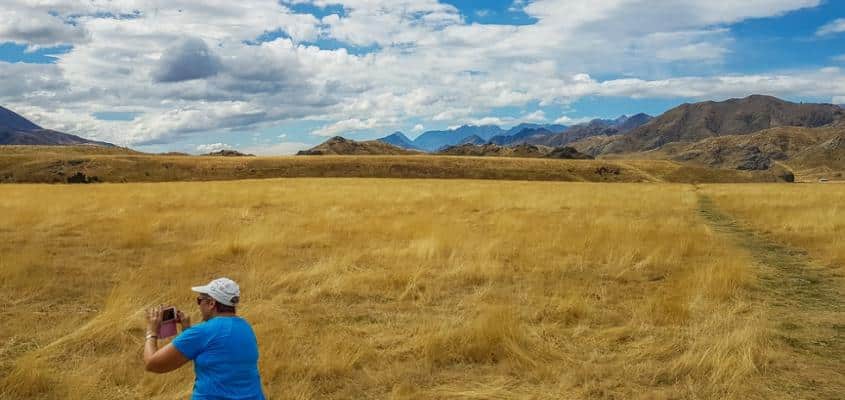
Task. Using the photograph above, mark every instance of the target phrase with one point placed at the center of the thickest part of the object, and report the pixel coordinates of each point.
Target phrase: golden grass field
(432, 289)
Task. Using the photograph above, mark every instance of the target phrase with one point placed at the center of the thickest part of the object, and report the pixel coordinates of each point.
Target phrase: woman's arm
(155, 360)
(160, 361)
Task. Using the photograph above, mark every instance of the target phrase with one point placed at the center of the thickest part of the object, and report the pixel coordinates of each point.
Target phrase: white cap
(223, 290)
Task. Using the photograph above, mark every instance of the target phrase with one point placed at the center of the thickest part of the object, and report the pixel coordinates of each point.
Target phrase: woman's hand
(153, 319)
(184, 319)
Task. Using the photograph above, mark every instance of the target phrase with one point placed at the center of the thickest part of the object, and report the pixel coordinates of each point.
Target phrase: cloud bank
(187, 68)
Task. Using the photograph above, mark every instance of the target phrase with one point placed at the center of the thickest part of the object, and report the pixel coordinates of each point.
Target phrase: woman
(223, 347)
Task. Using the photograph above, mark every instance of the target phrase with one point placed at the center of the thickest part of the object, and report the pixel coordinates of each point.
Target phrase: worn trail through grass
(805, 309)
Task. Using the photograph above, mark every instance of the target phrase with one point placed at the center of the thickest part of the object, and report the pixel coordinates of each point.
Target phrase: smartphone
(168, 323)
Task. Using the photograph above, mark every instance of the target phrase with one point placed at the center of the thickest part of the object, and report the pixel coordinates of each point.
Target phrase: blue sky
(13, 53)
(787, 42)
(277, 76)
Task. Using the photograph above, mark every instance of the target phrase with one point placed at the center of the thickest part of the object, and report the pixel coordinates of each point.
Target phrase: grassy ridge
(55, 165)
(403, 289)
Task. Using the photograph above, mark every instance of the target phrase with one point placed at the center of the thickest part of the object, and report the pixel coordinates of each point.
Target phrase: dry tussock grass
(807, 216)
(795, 233)
(394, 289)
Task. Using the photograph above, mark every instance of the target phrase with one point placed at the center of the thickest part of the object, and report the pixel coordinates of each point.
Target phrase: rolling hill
(59, 164)
(474, 139)
(694, 122)
(521, 150)
(342, 146)
(17, 130)
(753, 133)
(806, 151)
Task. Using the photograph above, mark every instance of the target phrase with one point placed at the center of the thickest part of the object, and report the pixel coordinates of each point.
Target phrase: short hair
(222, 308)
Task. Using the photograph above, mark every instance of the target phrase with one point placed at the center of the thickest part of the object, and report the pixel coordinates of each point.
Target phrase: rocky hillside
(227, 153)
(524, 136)
(522, 150)
(474, 139)
(694, 122)
(596, 127)
(595, 145)
(342, 146)
(527, 133)
(799, 148)
(569, 153)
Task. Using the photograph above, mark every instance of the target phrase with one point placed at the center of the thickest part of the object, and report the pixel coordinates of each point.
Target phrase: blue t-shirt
(225, 355)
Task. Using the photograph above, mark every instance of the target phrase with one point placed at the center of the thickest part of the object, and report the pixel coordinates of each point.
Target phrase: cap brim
(200, 289)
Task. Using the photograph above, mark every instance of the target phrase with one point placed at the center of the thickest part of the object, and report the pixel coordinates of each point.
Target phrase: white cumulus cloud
(188, 67)
(832, 27)
(277, 149)
(212, 147)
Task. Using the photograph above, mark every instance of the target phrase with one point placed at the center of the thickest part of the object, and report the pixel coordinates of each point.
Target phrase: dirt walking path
(648, 175)
(805, 309)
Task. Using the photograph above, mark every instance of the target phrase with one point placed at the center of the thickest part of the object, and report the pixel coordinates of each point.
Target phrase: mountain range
(17, 130)
(752, 133)
(687, 123)
(551, 135)
(399, 139)
(435, 140)
(697, 121)
(522, 136)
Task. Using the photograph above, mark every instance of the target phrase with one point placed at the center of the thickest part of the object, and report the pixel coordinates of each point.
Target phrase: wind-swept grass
(362, 288)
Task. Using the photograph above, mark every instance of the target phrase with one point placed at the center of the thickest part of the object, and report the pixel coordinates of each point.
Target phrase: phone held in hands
(168, 323)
